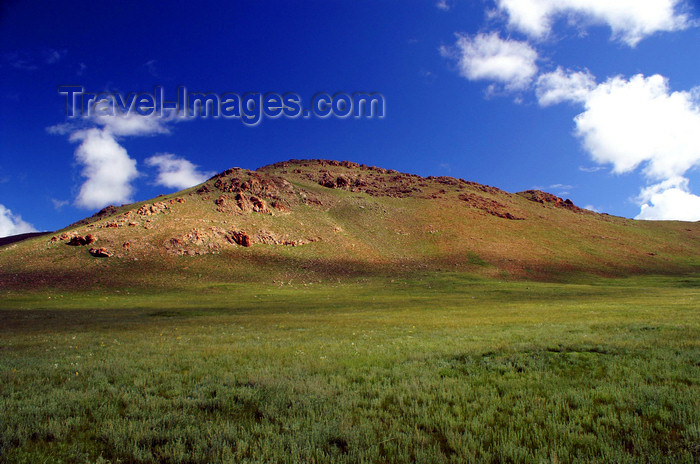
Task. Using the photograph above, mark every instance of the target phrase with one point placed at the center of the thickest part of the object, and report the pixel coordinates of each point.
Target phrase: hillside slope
(319, 219)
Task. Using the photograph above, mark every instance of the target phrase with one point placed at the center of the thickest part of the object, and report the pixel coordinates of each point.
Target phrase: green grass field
(432, 368)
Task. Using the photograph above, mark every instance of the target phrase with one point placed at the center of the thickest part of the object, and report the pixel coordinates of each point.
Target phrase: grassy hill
(315, 220)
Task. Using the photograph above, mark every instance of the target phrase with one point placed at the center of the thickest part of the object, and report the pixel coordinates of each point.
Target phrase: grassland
(428, 367)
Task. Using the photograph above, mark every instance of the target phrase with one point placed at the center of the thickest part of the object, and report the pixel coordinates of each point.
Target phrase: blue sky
(590, 100)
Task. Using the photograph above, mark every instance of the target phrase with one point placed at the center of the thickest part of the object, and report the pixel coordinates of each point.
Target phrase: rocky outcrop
(100, 252)
(548, 199)
(212, 240)
(375, 181)
(154, 208)
(397, 186)
(246, 192)
(492, 207)
(60, 238)
(215, 239)
(259, 205)
(269, 238)
(239, 181)
(78, 240)
(239, 238)
(241, 203)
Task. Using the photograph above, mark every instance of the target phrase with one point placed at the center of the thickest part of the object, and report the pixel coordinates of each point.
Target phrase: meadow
(428, 368)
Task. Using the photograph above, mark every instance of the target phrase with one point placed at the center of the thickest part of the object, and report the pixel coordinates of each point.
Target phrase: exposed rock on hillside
(545, 198)
(214, 239)
(154, 208)
(100, 252)
(77, 240)
(488, 205)
(396, 186)
(249, 192)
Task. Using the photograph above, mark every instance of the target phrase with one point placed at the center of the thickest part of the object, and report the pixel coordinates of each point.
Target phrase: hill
(313, 220)
(19, 237)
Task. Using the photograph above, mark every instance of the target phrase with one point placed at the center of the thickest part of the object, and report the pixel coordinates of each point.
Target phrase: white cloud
(133, 124)
(33, 60)
(130, 124)
(487, 56)
(638, 121)
(175, 172)
(52, 56)
(561, 189)
(107, 166)
(629, 20)
(591, 208)
(59, 204)
(150, 65)
(12, 224)
(670, 200)
(559, 85)
(590, 168)
(61, 129)
(443, 5)
(626, 124)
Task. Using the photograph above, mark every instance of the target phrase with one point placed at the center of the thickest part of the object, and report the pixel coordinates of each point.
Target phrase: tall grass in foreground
(438, 369)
